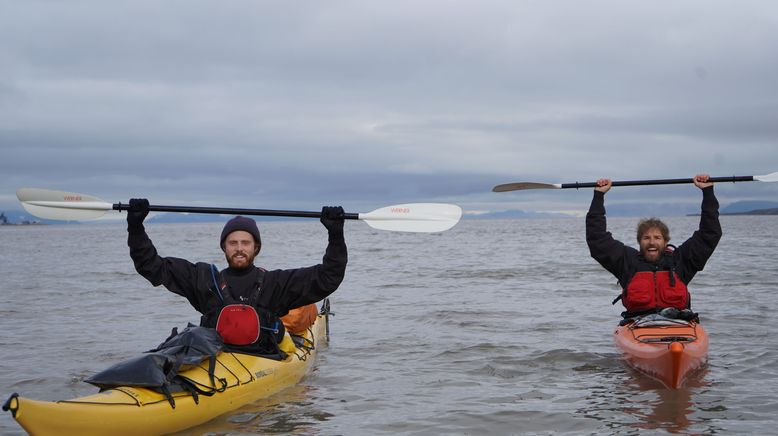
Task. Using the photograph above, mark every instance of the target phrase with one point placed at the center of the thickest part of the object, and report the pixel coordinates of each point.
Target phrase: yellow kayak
(142, 411)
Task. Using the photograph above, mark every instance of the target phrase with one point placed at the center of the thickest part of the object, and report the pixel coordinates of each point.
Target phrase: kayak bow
(668, 350)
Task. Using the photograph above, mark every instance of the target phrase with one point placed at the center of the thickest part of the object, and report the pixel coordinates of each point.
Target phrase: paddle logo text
(72, 198)
(401, 210)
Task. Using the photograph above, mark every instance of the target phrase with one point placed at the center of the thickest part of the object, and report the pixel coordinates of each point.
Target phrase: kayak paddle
(535, 185)
(411, 217)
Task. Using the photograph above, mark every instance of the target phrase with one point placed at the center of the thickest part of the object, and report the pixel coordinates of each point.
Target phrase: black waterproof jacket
(281, 290)
(624, 261)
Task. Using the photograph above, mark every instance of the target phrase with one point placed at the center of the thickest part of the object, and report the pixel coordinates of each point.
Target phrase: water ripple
(495, 327)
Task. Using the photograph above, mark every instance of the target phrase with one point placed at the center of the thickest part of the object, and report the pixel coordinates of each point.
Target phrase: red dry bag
(238, 324)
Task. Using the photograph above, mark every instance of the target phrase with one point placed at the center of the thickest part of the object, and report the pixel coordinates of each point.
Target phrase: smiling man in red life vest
(656, 276)
(243, 302)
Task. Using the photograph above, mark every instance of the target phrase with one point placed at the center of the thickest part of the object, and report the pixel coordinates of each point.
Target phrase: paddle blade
(772, 177)
(524, 185)
(60, 205)
(414, 217)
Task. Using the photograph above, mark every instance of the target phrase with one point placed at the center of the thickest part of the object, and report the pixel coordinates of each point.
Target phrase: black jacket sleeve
(177, 275)
(288, 289)
(692, 255)
(606, 250)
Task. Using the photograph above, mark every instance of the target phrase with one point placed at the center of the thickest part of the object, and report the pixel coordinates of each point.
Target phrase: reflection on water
(669, 409)
(292, 411)
(629, 399)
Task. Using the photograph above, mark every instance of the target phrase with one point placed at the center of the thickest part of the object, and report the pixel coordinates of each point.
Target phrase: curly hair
(653, 223)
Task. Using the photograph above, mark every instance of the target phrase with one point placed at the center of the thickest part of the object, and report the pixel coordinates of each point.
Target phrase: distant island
(16, 218)
(5, 222)
(511, 214)
(771, 211)
(751, 208)
(748, 208)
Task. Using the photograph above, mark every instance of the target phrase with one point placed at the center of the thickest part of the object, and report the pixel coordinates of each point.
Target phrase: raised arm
(298, 287)
(177, 275)
(603, 247)
(696, 250)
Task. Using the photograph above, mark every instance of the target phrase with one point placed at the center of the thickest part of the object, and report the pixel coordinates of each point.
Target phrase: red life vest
(649, 290)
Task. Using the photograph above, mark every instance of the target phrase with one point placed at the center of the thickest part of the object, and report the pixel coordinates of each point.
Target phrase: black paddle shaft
(733, 179)
(235, 211)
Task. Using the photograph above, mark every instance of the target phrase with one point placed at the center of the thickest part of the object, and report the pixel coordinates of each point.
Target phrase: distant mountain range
(510, 214)
(21, 217)
(644, 209)
(16, 217)
(751, 208)
(629, 209)
(773, 211)
(208, 218)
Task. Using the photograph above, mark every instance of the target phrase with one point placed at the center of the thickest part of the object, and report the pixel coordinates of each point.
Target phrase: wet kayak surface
(496, 326)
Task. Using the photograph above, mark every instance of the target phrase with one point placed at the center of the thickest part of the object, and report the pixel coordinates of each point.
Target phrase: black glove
(139, 208)
(333, 218)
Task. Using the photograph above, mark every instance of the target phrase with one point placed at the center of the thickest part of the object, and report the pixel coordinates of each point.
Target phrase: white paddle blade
(60, 205)
(772, 177)
(505, 187)
(414, 217)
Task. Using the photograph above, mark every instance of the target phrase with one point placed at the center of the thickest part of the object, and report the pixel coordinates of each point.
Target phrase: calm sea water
(494, 327)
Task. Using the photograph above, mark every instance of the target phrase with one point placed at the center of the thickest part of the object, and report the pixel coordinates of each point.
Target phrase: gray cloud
(364, 103)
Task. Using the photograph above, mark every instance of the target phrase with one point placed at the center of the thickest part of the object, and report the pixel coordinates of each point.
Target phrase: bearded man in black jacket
(242, 286)
(656, 276)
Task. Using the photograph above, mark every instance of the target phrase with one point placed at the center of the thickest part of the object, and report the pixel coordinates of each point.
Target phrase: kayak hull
(141, 411)
(668, 351)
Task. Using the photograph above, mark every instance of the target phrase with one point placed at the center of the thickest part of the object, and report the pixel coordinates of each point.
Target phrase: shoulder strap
(219, 285)
(216, 288)
(669, 262)
(260, 277)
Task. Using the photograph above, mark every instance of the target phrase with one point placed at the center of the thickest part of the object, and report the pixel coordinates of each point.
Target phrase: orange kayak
(668, 350)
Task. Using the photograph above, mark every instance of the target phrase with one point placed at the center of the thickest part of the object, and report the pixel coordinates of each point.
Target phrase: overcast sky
(295, 105)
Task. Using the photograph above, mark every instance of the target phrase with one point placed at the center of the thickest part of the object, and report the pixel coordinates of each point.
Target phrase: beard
(240, 260)
(652, 256)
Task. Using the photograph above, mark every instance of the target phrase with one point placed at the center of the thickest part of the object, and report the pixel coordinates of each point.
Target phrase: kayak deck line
(685, 335)
(667, 339)
(129, 410)
(131, 392)
(667, 351)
